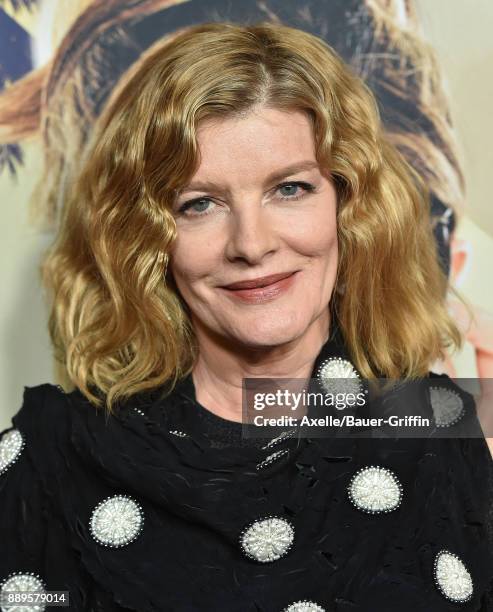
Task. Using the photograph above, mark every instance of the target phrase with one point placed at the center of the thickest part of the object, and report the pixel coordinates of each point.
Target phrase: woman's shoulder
(33, 427)
(461, 407)
(42, 407)
(42, 425)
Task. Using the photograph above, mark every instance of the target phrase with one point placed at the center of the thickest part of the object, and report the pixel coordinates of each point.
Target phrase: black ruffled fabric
(199, 491)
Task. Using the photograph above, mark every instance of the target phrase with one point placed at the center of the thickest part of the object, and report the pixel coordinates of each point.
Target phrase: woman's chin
(267, 335)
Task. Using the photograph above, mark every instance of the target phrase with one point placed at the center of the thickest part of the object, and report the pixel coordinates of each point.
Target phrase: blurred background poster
(427, 61)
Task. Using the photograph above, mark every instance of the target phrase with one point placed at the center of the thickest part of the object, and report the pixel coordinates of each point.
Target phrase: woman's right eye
(192, 203)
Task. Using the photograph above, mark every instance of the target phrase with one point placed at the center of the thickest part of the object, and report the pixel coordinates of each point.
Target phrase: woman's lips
(259, 282)
(262, 294)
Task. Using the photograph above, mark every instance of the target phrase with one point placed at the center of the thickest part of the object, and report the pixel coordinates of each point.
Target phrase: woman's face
(247, 223)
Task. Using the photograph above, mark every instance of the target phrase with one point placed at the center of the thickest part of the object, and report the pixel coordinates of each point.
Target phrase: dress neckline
(184, 412)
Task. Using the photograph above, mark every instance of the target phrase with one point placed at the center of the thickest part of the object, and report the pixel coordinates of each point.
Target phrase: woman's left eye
(295, 185)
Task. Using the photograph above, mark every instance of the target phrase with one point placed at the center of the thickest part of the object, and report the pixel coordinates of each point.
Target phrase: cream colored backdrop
(460, 31)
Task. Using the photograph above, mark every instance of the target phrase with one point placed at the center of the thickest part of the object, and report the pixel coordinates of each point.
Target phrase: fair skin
(242, 228)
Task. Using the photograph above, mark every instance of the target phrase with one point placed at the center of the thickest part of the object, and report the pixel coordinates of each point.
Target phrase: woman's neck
(220, 369)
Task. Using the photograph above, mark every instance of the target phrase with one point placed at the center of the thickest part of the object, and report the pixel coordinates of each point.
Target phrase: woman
(60, 100)
(262, 156)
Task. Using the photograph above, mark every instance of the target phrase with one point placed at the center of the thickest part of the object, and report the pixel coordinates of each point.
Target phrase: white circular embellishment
(375, 489)
(116, 521)
(304, 606)
(11, 446)
(267, 539)
(272, 457)
(447, 405)
(331, 372)
(19, 582)
(451, 577)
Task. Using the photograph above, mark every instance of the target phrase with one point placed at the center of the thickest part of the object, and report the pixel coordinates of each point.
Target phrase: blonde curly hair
(118, 328)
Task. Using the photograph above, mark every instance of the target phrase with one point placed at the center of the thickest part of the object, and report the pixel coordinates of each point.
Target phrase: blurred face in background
(257, 205)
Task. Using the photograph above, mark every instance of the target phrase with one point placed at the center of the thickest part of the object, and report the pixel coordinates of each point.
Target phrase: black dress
(166, 507)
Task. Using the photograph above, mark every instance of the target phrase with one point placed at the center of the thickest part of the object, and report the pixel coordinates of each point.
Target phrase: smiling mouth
(258, 283)
(266, 293)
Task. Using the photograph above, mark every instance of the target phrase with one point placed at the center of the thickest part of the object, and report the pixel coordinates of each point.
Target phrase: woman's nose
(252, 233)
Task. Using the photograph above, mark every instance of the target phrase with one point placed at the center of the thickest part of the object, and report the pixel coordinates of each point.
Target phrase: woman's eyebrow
(274, 176)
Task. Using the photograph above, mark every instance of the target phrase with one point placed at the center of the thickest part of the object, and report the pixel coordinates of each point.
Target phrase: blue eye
(297, 184)
(202, 212)
(196, 202)
(290, 187)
